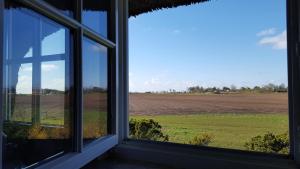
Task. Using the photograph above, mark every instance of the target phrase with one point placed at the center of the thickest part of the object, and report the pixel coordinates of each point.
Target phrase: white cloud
(55, 83)
(266, 32)
(24, 85)
(48, 67)
(278, 41)
(26, 68)
(130, 74)
(131, 83)
(152, 82)
(176, 31)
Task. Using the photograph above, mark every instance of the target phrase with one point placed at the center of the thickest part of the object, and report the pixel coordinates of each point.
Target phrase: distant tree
(195, 89)
(226, 89)
(256, 88)
(233, 88)
(282, 88)
(269, 87)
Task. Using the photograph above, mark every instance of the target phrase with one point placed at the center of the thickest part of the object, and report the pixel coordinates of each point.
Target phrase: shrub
(202, 140)
(269, 143)
(146, 130)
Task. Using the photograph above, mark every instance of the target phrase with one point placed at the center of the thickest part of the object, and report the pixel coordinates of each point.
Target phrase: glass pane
(53, 93)
(94, 90)
(18, 100)
(20, 40)
(65, 6)
(53, 42)
(211, 74)
(95, 14)
(37, 119)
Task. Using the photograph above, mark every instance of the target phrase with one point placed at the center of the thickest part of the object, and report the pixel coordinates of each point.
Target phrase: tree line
(264, 88)
(268, 88)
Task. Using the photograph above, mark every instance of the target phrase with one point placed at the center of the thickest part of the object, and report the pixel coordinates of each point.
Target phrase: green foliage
(146, 130)
(17, 131)
(269, 88)
(269, 143)
(183, 128)
(202, 140)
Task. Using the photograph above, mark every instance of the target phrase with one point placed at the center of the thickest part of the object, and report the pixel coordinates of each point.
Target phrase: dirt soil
(156, 104)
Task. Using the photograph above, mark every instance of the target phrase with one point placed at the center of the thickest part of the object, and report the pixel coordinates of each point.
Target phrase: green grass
(229, 130)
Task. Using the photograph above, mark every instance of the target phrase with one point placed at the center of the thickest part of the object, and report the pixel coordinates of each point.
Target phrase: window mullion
(112, 85)
(77, 76)
(36, 75)
(1, 76)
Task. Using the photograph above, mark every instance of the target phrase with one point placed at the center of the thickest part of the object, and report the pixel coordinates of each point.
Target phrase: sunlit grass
(229, 130)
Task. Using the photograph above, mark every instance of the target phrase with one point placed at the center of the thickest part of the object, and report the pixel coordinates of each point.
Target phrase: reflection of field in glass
(232, 119)
(53, 112)
(95, 125)
(52, 108)
(94, 114)
(22, 109)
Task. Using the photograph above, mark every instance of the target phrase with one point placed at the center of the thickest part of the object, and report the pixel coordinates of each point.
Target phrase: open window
(211, 74)
(67, 83)
(56, 71)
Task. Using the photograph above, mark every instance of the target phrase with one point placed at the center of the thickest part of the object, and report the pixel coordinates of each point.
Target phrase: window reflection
(65, 6)
(19, 91)
(94, 90)
(20, 19)
(53, 93)
(36, 111)
(53, 41)
(95, 14)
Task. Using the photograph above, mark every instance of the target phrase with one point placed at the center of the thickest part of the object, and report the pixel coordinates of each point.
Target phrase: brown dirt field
(156, 104)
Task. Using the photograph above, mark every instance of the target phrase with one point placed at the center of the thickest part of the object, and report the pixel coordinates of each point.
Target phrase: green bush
(202, 140)
(269, 143)
(146, 130)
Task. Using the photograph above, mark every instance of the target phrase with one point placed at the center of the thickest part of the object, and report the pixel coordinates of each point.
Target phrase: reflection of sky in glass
(53, 75)
(29, 36)
(21, 25)
(54, 43)
(29, 53)
(94, 65)
(24, 85)
(96, 20)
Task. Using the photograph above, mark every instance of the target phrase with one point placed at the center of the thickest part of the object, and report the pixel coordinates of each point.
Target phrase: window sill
(90, 152)
(186, 156)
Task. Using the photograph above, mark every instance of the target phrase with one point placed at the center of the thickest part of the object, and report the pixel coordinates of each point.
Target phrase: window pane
(22, 39)
(95, 14)
(211, 74)
(94, 90)
(18, 100)
(53, 94)
(37, 119)
(53, 42)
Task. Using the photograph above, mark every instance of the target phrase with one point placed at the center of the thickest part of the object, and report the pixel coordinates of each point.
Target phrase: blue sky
(217, 43)
(53, 72)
